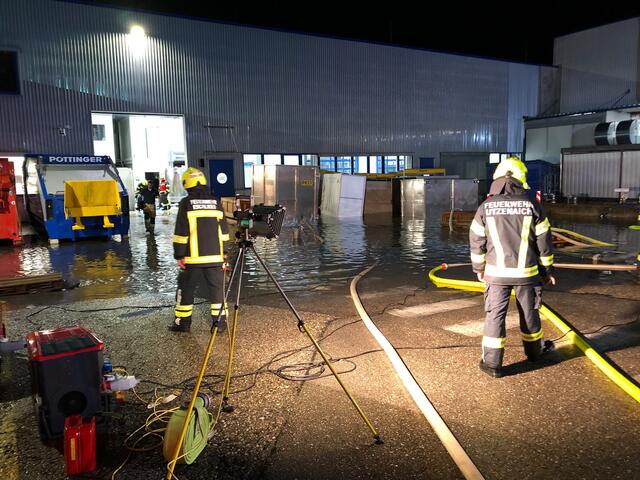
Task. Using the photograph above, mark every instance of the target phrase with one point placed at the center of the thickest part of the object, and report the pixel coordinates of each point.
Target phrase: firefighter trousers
(149, 217)
(496, 304)
(187, 281)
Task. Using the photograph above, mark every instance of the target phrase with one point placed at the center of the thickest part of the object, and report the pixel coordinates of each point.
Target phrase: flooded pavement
(322, 259)
(583, 426)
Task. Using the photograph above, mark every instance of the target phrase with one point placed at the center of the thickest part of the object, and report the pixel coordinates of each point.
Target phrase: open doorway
(143, 147)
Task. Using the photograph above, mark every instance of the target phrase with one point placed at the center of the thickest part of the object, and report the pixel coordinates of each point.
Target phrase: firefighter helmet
(515, 167)
(192, 177)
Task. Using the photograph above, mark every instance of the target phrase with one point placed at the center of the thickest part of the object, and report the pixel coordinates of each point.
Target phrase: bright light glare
(137, 31)
(137, 40)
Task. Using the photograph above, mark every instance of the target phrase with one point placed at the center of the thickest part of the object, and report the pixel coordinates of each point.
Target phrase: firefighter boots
(180, 325)
(492, 372)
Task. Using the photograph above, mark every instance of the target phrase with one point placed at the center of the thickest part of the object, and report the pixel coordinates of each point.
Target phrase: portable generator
(66, 376)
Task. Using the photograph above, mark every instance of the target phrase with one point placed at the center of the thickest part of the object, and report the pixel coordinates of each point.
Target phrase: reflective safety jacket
(510, 237)
(200, 230)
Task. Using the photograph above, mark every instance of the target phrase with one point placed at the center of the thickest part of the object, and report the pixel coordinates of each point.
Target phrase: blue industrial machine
(75, 196)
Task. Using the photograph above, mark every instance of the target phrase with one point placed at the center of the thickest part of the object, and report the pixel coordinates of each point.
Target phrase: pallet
(32, 283)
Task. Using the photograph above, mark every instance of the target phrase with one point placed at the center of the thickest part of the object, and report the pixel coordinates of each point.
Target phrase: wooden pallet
(31, 283)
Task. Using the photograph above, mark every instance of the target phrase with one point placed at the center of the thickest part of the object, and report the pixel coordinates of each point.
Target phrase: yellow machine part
(91, 198)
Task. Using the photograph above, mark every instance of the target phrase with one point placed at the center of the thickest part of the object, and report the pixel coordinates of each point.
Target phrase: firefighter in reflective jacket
(198, 240)
(511, 249)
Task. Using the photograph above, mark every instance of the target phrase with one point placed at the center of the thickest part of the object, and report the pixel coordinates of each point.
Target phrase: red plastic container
(79, 445)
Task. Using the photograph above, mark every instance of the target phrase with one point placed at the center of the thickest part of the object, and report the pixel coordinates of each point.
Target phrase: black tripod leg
(233, 327)
(303, 327)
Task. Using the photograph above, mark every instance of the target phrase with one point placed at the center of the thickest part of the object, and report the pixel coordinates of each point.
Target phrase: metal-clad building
(599, 66)
(249, 90)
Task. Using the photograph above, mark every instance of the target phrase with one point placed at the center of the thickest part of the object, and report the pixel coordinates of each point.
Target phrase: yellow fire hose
(617, 376)
(579, 236)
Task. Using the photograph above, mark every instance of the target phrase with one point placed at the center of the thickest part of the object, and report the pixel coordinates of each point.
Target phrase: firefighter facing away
(198, 240)
(511, 249)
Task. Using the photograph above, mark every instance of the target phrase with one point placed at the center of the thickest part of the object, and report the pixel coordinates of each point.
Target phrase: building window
(390, 164)
(344, 165)
(360, 164)
(310, 160)
(328, 163)
(271, 159)
(249, 162)
(9, 73)
(292, 159)
(99, 134)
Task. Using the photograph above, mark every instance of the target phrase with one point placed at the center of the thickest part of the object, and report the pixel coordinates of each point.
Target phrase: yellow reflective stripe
(546, 261)
(193, 217)
(493, 342)
(494, 271)
(477, 228)
(220, 239)
(180, 314)
(542, 227)
(495, 239)
(524, 241)
(531, 337)
(476, 258)
(224, 237)
(205, 259)
(193, 235)
(184, 308)
(205, 214)
(179, 239)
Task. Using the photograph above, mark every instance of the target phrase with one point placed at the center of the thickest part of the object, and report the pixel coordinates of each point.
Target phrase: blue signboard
(221, 175)
(53, 159)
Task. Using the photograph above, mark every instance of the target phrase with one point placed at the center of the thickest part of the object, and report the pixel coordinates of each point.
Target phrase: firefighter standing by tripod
(198, 240)
(511, 249)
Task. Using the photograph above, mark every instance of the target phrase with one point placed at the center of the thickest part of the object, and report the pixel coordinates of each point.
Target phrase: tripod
(246, 245)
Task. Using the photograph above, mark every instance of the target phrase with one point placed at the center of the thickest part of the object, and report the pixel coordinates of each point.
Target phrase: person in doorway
(200, 231)
(149, 196)
(511, 249)
(164, 194)
(139, 198)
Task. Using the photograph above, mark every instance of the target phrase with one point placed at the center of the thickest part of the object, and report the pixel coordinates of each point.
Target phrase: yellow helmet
(517, 168)
(192, 177)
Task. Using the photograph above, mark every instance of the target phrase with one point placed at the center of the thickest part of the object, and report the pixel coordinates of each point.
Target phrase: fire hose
(613, 372)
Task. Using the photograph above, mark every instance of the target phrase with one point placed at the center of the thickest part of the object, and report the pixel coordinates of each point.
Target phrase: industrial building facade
(154, 91)
(593, 127)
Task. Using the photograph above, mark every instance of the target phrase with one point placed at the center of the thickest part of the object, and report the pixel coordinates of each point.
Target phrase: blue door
(221, 175)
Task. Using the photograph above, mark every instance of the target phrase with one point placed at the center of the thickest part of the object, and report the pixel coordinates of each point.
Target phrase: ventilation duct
(626, 132)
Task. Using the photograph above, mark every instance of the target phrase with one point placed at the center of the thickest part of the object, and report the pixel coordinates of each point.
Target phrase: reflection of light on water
(405, 249)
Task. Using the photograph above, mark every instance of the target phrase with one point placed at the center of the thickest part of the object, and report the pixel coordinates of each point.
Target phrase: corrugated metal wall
(598, 65)
(281, 92)
(597, 174)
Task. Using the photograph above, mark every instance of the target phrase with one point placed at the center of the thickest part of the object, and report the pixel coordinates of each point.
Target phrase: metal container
(599, 174)
(541, 176)
(292, 186)
(437, 193)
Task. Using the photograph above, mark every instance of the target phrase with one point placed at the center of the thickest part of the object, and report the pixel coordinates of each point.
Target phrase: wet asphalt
(558, 418)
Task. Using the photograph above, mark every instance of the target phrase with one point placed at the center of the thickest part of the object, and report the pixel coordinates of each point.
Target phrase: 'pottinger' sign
(75, 159)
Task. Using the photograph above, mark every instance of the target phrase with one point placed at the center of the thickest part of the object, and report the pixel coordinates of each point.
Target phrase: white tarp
(343, 195)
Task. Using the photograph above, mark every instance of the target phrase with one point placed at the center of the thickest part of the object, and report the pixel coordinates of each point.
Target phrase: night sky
(516, 31)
